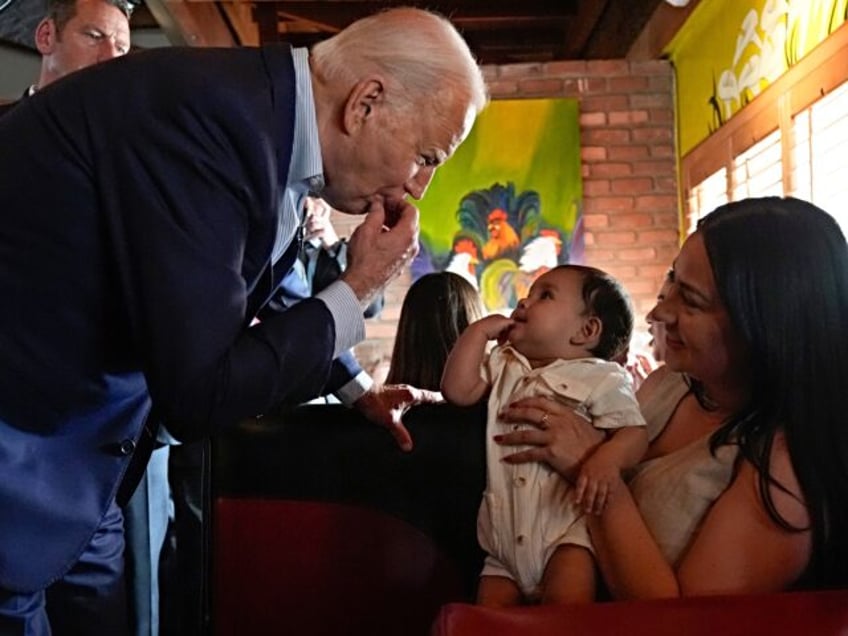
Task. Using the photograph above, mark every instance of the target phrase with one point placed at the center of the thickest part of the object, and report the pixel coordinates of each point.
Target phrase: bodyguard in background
(73, 35)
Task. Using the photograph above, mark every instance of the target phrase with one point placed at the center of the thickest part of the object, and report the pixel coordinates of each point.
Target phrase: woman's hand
(561, 438)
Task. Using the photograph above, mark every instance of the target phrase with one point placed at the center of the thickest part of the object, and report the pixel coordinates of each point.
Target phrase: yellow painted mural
(730, 50)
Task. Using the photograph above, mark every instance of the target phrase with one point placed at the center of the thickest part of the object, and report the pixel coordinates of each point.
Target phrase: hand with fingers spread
(568, 443)
(385, 242)
(561, 438)
(387, 405)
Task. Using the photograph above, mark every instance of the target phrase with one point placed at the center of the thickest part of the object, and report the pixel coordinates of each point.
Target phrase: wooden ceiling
(498, 31)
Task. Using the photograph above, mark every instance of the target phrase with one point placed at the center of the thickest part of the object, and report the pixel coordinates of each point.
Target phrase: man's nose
(417, 185)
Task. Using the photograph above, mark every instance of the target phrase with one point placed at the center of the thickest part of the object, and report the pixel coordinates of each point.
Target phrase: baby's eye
(546, 294)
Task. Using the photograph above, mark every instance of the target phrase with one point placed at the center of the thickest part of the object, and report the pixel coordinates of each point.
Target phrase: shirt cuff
(347, 315)
(355, 389)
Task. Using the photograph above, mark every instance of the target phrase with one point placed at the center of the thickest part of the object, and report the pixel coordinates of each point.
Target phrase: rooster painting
(500, 220)
(507, 206)
(465, 258)
(502, 246)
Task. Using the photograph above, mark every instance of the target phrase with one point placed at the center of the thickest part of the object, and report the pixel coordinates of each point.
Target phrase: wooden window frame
(817, 74)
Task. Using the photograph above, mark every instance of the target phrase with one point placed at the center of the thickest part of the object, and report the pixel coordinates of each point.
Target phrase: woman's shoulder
(785, 489)
(747, 511)
(659, 397)
(661, 383)
(653, 383)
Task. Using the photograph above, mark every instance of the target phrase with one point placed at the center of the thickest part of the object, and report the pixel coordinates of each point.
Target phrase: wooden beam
(549, 36)
(517, 45)
(265, 16)
(316, 19)
(350, 10)
(324, 23)
(192, 23)
(582, 27)
(240, 16)
(619, 25)
(659, 31)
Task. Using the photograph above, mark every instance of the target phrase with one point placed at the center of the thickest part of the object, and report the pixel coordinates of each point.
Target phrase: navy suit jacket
(5, 107)
(139, 204)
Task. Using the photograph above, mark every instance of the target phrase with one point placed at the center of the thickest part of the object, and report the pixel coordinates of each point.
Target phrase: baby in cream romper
(554, 345)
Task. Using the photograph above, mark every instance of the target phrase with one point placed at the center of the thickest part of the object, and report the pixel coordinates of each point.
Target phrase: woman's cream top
(675, 491)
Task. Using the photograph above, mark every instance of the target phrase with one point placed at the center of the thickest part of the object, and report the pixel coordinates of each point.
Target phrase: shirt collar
(307, 168)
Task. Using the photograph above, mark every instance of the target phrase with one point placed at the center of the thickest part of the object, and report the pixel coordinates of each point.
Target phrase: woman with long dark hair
(436, 309)
(744, 486)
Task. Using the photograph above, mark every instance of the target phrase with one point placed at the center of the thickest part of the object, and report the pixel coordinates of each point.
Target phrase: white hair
(419, 50)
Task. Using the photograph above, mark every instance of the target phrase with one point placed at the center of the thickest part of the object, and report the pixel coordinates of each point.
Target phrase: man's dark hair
(61, 11)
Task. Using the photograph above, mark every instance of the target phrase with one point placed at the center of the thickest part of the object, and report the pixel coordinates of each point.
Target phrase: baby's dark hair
(605, 298)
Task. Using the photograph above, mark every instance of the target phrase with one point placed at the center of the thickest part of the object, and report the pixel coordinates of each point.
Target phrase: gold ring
(543, 423)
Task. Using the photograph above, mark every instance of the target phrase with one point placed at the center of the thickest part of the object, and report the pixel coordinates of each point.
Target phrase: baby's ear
(590, 332)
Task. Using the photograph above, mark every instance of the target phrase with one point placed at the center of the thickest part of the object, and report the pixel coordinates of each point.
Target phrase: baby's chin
(510, 337)
(517, 344)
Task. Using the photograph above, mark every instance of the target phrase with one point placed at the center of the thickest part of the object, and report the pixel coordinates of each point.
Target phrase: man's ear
(45, 36)
(590, 333)
(360, 104)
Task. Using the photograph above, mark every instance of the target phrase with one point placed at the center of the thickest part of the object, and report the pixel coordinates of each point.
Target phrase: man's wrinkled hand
(386, 406)
(379, 249)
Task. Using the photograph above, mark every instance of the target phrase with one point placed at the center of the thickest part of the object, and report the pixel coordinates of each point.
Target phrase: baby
(559, 343)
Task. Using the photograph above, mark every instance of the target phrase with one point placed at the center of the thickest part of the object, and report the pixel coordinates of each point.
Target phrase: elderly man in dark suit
(149, 209)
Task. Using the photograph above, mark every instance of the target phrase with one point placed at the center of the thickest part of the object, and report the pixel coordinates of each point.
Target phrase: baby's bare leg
(498, 591)
(569, 576)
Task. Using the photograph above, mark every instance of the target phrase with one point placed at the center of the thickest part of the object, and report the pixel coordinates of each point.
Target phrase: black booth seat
(322, 525)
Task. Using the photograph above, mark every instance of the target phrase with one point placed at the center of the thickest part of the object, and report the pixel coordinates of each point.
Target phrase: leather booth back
(321, 525)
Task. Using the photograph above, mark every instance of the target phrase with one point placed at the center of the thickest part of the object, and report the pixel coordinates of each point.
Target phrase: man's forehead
(469, 117)
(100, 10)
(446, 136)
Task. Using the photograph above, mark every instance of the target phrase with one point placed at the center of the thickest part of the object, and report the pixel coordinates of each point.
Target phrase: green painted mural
(507, 206)
(730, 50)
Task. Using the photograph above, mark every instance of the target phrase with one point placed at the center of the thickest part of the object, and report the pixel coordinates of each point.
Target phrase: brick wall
(629, 176)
